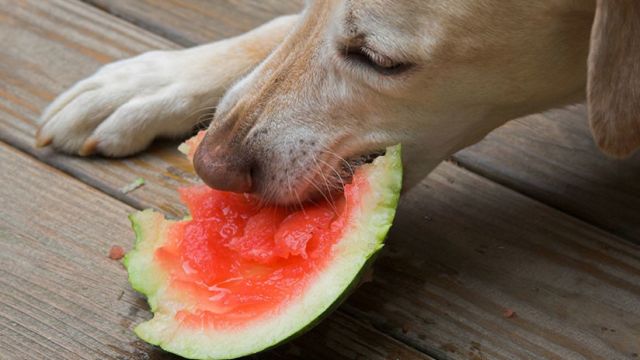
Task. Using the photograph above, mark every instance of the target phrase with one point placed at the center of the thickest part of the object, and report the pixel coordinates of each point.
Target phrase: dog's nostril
(222, 170)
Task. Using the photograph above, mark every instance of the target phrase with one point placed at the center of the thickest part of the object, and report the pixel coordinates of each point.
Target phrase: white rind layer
(363, 237)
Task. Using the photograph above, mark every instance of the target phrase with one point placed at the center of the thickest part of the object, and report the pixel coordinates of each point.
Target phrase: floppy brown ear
(613, 84)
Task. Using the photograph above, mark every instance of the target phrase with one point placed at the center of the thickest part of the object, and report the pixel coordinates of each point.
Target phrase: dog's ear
(613, 85)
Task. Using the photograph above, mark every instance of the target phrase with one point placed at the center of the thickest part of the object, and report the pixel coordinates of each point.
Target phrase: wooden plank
(76, 40)
(553, 158)
(403, 294)
(464, 250)
(181, 21)
(550, 156)
(61, 297)
(49, 45)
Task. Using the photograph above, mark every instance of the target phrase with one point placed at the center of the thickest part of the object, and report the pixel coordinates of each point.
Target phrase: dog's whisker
(300, 203)
(199, 110)
(312, 183)
(327, 150)
(318, 169)
(341, 187)
(346, 162)
(210, 111)
(295, 192)
(203, 119)
(207, 111)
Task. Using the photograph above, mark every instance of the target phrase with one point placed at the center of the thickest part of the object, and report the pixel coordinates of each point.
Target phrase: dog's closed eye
(367, 57)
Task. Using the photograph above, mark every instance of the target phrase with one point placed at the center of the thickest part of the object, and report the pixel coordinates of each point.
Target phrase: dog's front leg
(125, 105)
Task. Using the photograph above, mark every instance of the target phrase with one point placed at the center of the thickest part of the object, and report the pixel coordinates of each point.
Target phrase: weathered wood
(61, 297)
(551, 156)
(464, 250)
(446, 281)
(49, 45)
(182, 21)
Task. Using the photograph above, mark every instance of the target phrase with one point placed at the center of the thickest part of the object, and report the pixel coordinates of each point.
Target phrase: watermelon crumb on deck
(189, 147)
(235, 278)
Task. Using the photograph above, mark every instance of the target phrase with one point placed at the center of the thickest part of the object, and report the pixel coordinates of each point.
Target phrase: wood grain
(553, 158)
(442, 284)
(550, 156)
(49, 45)
(190, 22)
(464, 250)
(61, 297)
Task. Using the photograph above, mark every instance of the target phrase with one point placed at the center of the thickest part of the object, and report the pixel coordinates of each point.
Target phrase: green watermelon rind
(362, 240)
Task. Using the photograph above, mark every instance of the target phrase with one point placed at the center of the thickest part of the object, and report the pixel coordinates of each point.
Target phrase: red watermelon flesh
(244, 261)
(235, 277)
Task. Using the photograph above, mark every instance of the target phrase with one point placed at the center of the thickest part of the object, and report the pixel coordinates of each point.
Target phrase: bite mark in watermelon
(234, 279)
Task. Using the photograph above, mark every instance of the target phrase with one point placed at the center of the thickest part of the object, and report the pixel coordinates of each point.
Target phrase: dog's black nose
(223, 167)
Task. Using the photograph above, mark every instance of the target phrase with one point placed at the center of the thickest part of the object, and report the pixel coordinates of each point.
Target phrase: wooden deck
(533, 219)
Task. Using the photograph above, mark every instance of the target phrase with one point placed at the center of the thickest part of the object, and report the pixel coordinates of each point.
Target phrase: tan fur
(614, 77)
(285, 129)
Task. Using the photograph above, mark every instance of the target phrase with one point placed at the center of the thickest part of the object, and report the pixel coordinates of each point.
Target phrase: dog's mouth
(366, 159)
(326, 182)
(331, 179)
(349, 166)
(342, 172)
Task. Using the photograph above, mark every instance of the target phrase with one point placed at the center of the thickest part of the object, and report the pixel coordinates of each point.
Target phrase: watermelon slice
(234, 279)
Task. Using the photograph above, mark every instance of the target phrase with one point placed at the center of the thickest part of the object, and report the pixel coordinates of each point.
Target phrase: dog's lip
(331, 185)
(366, 158)
(335, 180)
(353, 162)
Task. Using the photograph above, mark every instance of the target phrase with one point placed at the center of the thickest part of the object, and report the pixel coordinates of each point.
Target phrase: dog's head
(356, 76)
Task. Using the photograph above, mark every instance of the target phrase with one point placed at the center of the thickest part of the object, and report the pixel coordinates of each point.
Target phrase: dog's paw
(125, 105)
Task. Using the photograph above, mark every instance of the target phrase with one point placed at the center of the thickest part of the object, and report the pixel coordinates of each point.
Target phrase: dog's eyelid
(375, 60)
(378, 58)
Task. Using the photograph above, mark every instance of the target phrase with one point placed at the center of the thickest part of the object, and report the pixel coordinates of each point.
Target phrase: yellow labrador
(313, 94)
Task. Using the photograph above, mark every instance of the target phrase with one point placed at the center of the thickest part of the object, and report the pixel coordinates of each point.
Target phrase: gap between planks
(60, 267)
(592, 201)
(92, 167)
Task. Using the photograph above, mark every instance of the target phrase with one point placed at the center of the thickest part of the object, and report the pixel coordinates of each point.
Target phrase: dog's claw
(42, 141)
(89, 147)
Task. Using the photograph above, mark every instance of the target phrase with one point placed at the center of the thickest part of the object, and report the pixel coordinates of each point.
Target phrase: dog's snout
(223, 169)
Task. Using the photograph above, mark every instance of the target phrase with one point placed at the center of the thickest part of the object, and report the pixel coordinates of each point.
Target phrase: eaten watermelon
(235, 278)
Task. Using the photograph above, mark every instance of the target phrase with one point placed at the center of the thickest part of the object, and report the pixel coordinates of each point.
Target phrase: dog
(317, 93)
